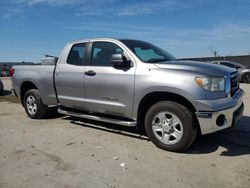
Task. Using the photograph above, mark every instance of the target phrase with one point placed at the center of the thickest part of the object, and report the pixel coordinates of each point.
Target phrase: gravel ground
(68, 152)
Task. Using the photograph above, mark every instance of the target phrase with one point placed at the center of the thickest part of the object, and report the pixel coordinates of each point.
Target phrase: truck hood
(204, 68)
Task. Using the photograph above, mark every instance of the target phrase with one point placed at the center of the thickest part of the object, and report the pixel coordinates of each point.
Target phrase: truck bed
(41, 76)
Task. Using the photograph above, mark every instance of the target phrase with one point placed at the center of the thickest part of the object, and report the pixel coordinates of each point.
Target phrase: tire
(173, 128)
(246, 78)
(33, 105)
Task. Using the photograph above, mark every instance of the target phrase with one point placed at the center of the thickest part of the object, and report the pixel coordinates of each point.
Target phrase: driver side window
(102, 51)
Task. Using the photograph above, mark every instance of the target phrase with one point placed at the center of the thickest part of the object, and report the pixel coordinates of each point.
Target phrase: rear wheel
(33, 104)
(246, 78)
(170, 126)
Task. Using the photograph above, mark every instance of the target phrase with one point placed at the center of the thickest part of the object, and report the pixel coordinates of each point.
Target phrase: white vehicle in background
(244, 71)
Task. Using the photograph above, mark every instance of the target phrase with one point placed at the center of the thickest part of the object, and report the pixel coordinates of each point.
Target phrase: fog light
(221, 120)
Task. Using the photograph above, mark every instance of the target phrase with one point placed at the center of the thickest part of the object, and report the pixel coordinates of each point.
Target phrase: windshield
(147, 52)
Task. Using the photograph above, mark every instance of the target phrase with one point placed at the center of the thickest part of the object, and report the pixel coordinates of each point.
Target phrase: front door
(108, 90)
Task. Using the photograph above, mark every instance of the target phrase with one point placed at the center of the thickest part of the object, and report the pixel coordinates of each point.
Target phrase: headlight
(213, 84)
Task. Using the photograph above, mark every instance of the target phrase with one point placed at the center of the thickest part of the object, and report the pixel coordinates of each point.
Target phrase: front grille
(234, 78)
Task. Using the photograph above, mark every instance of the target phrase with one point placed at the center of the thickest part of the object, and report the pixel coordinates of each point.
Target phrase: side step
(98, 118)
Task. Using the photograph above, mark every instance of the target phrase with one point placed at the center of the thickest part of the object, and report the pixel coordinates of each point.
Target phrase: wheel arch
(27, 85)
(151, 98)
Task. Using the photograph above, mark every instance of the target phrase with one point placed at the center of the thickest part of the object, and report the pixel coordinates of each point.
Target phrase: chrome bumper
(228, 117)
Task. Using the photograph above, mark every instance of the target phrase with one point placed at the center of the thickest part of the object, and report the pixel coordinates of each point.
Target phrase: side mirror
(119, 60)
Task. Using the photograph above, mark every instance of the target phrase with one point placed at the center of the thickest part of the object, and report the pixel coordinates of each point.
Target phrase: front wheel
(33, 104)
(246, 78)
(170, 126)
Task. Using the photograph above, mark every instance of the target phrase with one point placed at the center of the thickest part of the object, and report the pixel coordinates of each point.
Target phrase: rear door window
(77, 55)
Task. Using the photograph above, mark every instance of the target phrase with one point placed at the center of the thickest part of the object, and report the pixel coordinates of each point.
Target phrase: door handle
(90, 73)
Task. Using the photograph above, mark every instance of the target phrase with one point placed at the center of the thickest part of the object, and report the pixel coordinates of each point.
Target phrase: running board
(98, 118)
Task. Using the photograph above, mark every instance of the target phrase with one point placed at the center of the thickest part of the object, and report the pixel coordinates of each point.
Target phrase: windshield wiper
(155, 60)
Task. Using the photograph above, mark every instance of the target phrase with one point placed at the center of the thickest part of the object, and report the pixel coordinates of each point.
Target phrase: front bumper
(221, 119)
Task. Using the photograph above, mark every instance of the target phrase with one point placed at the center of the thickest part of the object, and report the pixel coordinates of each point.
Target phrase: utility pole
(214, 52)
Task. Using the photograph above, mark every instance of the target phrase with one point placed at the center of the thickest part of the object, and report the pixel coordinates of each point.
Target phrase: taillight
(12, 71)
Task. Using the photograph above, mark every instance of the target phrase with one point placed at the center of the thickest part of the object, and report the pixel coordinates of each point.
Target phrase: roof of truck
(94, 39)
(103, 39)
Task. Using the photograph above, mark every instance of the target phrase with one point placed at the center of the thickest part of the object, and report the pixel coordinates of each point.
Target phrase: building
(243, 59)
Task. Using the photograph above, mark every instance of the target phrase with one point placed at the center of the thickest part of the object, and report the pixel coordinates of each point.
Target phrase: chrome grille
(234, 78)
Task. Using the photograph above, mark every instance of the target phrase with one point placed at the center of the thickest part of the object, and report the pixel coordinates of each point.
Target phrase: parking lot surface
(61, 151)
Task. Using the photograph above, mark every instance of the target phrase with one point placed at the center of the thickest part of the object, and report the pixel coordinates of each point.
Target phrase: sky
(185, 28)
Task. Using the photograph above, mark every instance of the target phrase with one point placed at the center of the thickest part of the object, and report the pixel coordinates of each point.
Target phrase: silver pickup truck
(133, 83)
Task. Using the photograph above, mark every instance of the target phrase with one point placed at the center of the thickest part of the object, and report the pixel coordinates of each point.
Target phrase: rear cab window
(77, 55)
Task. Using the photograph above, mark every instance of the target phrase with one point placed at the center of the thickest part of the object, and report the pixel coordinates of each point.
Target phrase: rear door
(69, 77)
(108, 90)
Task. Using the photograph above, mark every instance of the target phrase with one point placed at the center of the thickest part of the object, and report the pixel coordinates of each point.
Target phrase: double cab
(133, 83)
